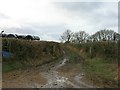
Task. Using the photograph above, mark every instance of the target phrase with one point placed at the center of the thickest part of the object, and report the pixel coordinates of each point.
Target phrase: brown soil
(22, 78)
(70, 70)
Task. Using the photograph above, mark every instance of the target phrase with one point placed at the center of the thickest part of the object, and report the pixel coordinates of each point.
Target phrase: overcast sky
(50, 18)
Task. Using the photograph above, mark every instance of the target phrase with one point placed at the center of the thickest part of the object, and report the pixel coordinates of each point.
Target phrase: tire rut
(57, 81)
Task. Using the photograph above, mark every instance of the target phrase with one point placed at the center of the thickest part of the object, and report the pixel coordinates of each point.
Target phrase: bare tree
(81, 37)
(105, 35)
(67, 36)
(116, 37)
(101, 35)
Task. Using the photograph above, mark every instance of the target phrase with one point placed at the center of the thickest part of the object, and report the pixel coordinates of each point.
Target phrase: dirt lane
(43, 77)
(57, 81)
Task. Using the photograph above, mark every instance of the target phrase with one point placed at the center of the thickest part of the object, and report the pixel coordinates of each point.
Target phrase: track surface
(57, 81)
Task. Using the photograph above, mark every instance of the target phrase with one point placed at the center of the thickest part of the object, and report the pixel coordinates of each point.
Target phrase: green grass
(72, 55)
(101, 66)
(11, 66)
(99, 70)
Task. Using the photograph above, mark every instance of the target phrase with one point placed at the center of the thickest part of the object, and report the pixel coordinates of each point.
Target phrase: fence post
(90, 51)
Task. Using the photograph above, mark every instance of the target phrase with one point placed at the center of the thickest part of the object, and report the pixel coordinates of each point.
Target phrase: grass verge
(101, 73)
(11, 66)
(101, 69)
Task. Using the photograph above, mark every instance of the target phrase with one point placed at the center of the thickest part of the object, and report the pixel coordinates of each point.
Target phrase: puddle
(57, 81)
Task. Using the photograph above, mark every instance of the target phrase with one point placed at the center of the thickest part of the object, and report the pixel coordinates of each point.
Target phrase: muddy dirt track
(43, 78)
(57, 81)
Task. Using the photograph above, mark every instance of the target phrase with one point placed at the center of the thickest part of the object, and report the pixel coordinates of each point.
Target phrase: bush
(32, 52)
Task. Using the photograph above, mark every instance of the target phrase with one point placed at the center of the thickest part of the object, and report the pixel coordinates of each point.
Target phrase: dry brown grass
(29, 53)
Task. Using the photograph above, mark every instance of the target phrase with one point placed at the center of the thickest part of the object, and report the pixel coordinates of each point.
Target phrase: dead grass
(29, 53)
(101, 73)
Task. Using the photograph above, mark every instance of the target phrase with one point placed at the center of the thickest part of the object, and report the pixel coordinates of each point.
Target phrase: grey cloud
(50, 36)
(55, 35)
(88, 11)
(26, 30)
(103, 14)
(79, 6)
(38, 28)
(23, 30)
(3, 16)
(44, 32)
(49, 32)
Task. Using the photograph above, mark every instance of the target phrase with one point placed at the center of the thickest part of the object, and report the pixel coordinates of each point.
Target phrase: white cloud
(49, 19)
(35, 11)
(87, 0)
(91, 16)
